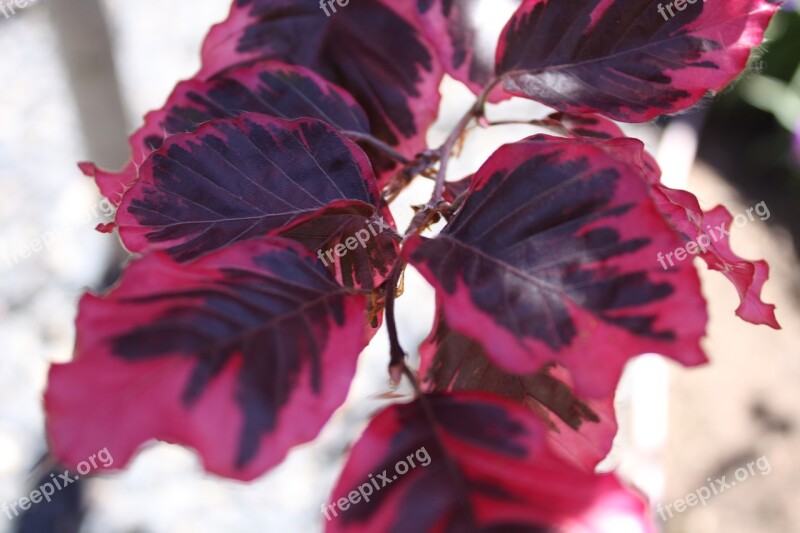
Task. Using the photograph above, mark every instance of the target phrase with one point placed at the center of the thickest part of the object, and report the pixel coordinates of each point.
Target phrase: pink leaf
(268, 87)
(254, 175)
(477, 463)
(552, 259)
(374, 49)
(240, 355)
(625, 60)
(708, 228)
(684, 212)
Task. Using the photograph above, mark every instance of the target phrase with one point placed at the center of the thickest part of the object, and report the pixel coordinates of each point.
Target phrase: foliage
(230, 333)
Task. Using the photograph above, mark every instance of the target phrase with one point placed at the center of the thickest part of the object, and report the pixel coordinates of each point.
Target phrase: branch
(397, 354)
(446, 150)
(420, 166)
(422, 218)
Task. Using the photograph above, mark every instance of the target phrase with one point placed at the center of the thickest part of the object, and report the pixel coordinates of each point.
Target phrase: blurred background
(77, 77)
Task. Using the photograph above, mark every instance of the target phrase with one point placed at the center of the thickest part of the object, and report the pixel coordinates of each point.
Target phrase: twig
(397, 354)
(421, 219)
(446, 150)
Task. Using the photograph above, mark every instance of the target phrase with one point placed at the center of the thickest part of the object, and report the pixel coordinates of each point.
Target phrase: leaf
(552, 259)
(368, 244)
(712, 227)
(240, 355)
(625, 60)
(374, 49)
(465, 33)
(481, 464)
(112, 184)
(579, 430)
(268, 87)
(250, 176)
(706, 228)
(680, 207)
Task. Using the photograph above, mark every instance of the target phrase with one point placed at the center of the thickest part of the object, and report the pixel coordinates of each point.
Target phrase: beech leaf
(625, 60)
(477, 463)
(240, 355)
(552, 259)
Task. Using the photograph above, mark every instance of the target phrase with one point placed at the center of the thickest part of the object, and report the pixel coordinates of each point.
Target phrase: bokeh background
(77, 76)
